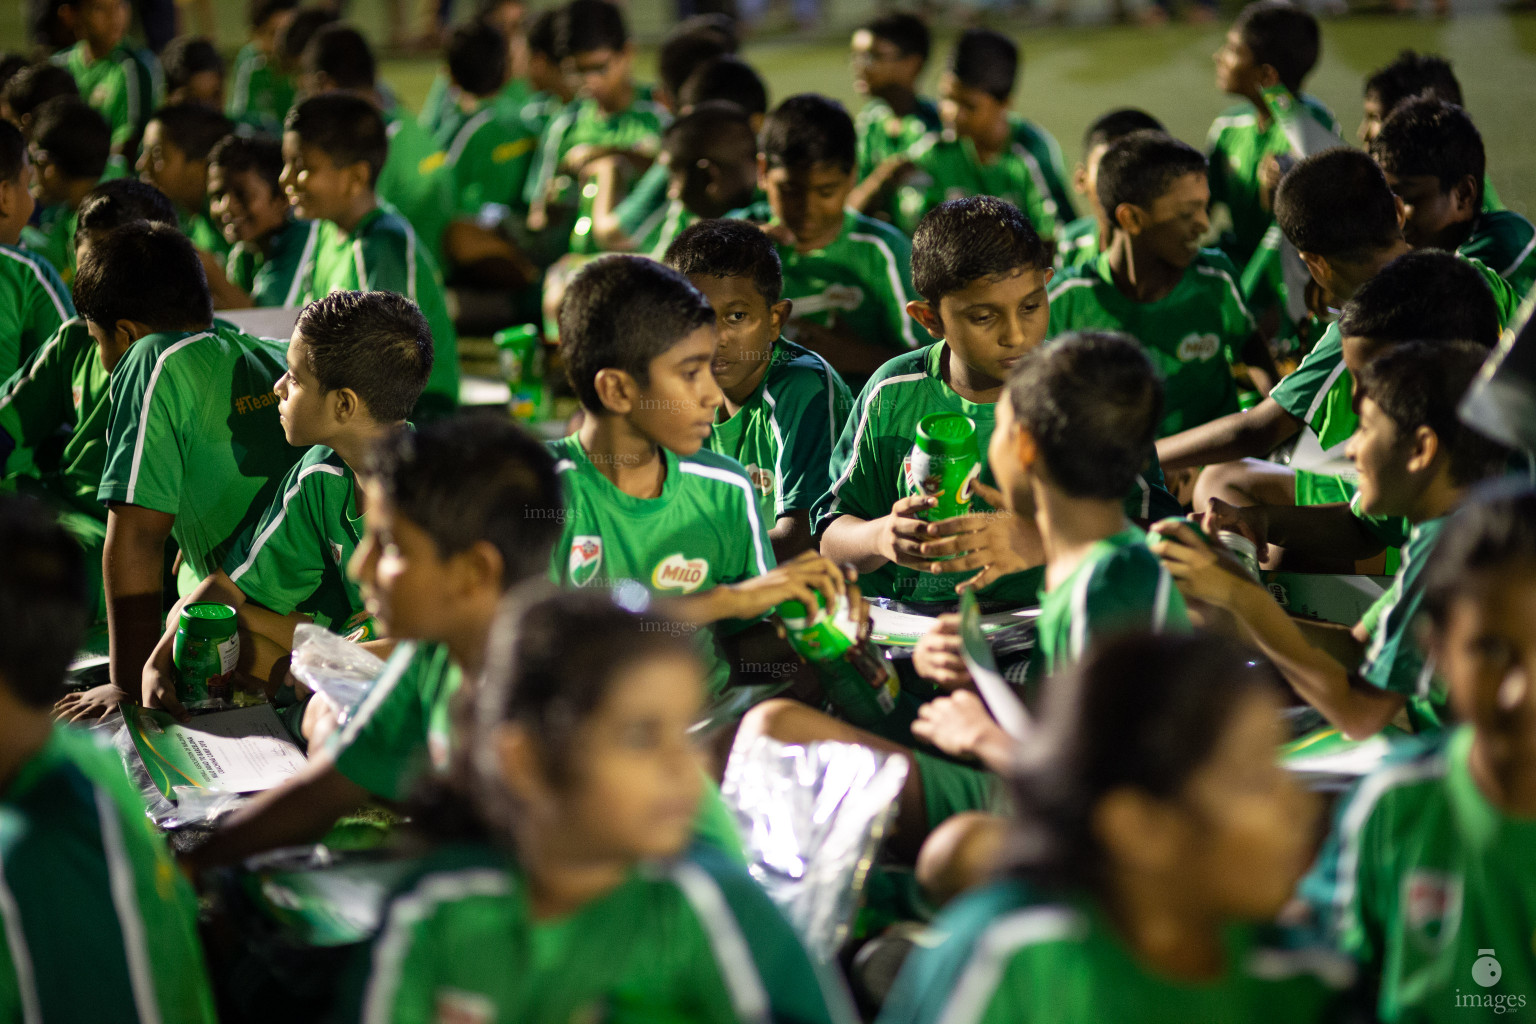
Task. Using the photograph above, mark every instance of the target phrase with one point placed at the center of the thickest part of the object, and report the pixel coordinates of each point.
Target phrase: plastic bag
(340, 670)
(193, 806)
(812, 818)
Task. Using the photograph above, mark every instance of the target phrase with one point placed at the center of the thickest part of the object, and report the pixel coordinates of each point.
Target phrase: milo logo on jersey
(1431, 908)
(1198, 348)
(677, 572)
(586, 557)
(761, 478)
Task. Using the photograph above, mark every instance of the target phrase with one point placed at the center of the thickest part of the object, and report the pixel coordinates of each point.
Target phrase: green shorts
(950, 789)
(1322, 488)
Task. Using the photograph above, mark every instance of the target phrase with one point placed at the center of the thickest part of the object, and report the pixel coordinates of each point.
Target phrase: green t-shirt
(1119, 586)
(643, 209)
(295, 557)
(862, 281)
(696, 939)
(53, 238)
(33, 304)
(194, 433)
(882, 134)
(415, 181)
(783, 435)
(949, 168)
(703, 530)
(1423, 877)
(1236, 147)
(275, 278)
(99, 925)
(1077, 243)
(1393, 660)
(659, 230)
(258, 95)
(999, 954)
(198, 226)
(400, 732)
(1505, 242)
(487, 157)
(1191, 335)
(123, 86)
(383, 254)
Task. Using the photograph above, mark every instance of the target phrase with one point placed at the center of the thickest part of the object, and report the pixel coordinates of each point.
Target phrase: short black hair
(683, 53)
(1421, 384)
(475, 477)
(1092, 402)
(259, 12)
(477, 58)
(376, 343)
(296, 35)
(988, 61)
(122, 201)
(729, 248)
(1424, 295)
(186, 56)
(1142, 166)
(1284, 36)
(621, 312)
(1336, 204)
(43, 601)
(149, 273)
(346, 128)
(1116, 125)
(584, 26)
(1426, 135)
(806, 130)
(261, 154)
(1413, 74)
(192, 128)
(35, 85)
(727, 78)
(1494, 530)
(342, 54)
(13, 151)
(543, 37)
(76, 137)
(907, 32)
(964, 240)
(717, 131)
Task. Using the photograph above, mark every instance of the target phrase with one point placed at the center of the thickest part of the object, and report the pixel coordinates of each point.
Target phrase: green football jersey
(1393, 660)
(198, 226)
(440, 97)
(487, 158)
(696, 939)
(1506, 243)
(415, 181)
(99, 923)
(1119, 586)
(34, 303)
(783, 435)
(1236, 147)
(123, 86)
(950, 168)
(258, 95)
(275, 277)
(1191, 335)
(401, 730)
(999, 954)
(383, 253)
(862, 281)
(883, 134)
(645, 206)
(1422, 879)
(1077, 243)
(53, 238)
(703, 530)
(193, 432)
(662, 228)
(295, 558)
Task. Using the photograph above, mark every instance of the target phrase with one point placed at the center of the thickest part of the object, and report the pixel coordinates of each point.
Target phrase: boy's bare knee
(961, 853)
(787, 721)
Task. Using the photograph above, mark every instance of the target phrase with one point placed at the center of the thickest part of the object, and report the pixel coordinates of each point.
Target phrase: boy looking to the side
(33, 299)
(113, 76)
(1080, 242)
(784, 405)
(194, 73)
(70, 147)
(269, 248)
(260, 92)
(31, 87)
(889, 55)
(174, 159)
(488, 155)
(1158, 285)
(711, 163)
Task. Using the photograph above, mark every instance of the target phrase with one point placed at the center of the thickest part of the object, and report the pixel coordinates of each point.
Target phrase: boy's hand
(800, 579)
(902, 533)
(960, 726)
(1201, 572)
(88, 704)
(1250, 521)
(159, 685)
(1006, 543)
(937, 654)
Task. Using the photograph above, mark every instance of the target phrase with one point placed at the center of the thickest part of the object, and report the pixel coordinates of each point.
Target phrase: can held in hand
(1243, 549)
(521, 356)
(945, 462)
(821, 636)
(205, 653)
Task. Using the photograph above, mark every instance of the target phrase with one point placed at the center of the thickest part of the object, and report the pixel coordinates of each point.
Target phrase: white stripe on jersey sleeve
(125, 900)
(858, 433)
(298, 485)
(1004, 937)
(732, 954)
(149, 395)
(42, 279)
(21, 955)
(1231, 287)
(305, 268)
(736, 480)
(893, 278)
(778, 458)
(382, 686)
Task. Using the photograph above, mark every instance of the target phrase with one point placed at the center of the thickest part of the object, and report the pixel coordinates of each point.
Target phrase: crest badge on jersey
(336, 552)
(458, 1007)
(1432, 907)
(677, 572)
(586, 558)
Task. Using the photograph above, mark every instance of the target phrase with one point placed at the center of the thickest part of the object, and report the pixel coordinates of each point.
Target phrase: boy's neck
(1439, 498)
(1069, 527)
(742, 393)
(1140, 275)
(629, 460)
(75, 191)
(23, 732)
(1504, 769)
(992, 140)
(94, 50)
(622, 100)
(1356, 275)
(267, 242)
(466, 644)
(361, 207)
(353, 442)
(902, 99)
(1164, 933)
(562, 877)
(1261, 115)
(967, 381)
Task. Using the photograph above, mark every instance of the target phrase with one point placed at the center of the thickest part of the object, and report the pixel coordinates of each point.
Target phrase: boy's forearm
(301, 810)
(133, 562)
(1331, 531)
(1240, 435)
(849, 539)
(791, 534)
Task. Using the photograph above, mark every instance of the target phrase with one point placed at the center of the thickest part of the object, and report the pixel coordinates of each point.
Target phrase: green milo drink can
(205, 653)
(945, 462)
(818, 636)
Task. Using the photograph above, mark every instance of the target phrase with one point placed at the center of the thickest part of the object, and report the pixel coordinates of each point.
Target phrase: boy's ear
(345, 404)
(1402, 211)
(517, 756)
(358, 174)
(1464, 194)
(1024, 447)
(1423, 449)
(1137, 831)
(1080, 179)
(480, 567)
(762, 171)
(923, 312)
(1266, 75)
(1129, 217)
(779, 313)
(616, 389)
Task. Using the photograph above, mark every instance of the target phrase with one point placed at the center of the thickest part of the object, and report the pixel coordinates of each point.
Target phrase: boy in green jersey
(888, 56)
(848, 275)
(1155, 839)
(70, 146)
(260, 93)
(357, 362)
(1158, 285)
(270, 250)
(1426, 879)
(28, 89)
(585, 893)
(984, 148)
(1415, 460)
(1271, 43)
(1432, 155)
(784, 405)
(115, 77)
(508, 17)
(487, 156)
(194, 72)
(88, 883)
(194, 447)
(711, 165)
(333, 147)
(1080, 242)
(174, 159)
(33, 300)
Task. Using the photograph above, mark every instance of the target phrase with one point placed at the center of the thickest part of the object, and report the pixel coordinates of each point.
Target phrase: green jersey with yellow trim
(1393, 660)
(1001, 954)
(950, 168)
(193, 432)
(882, 133)
(415, 180)
(124, 86)
(487, 156)
(695, 939)
(275, 276)
(1428, 885)
(258, 95)
(783, 435)
(1191, 334)
(34, 303)
(88, 885)
(1506, 243)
